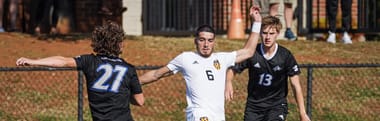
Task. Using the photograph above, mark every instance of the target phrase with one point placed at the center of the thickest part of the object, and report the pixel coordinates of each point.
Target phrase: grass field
(338, 94)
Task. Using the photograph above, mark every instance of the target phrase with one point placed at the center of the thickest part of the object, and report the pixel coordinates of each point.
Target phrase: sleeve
(80, 61)
(134, 82)
(239, 67)
(232, 58)
(292, 66)
(175, 64)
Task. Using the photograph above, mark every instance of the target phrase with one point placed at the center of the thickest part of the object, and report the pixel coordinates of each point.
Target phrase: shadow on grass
(66, 37)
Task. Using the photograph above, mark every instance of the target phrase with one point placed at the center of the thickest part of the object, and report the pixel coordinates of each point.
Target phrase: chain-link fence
(344, 92)
(351, 93)
(38, 95)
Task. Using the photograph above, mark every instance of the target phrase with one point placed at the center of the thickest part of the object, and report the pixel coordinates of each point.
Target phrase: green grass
(6, 117)
(363, 93)
(338, 94)
(53, 117)
(335, 116)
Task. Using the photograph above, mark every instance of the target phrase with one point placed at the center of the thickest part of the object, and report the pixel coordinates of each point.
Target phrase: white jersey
(205, 83)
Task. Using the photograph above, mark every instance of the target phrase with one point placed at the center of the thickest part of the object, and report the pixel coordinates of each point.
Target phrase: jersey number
(102, 85)
(209, 74)
(265, 79)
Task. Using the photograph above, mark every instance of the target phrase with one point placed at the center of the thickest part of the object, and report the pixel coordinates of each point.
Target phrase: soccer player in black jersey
(112, 83)
(269, 69)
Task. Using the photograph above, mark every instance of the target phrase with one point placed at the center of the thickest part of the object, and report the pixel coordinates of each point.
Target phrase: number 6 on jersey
(209, 74)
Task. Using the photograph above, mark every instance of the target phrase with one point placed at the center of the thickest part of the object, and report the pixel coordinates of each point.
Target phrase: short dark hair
(106, 39)
(204, 28)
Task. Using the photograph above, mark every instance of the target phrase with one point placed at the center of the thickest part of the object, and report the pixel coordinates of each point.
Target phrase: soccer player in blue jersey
(112, 83)
(269, 69)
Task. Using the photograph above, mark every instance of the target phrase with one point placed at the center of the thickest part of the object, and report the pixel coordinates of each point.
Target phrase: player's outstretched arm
(250, 45)
(53, 61)
(154, 75)
(296, 86)
(229, 90)
(138, 99)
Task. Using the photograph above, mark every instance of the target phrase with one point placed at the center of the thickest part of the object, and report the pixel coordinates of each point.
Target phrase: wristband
(256, 27)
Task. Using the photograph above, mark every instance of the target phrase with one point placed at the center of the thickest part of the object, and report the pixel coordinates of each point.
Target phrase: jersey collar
(272, 55)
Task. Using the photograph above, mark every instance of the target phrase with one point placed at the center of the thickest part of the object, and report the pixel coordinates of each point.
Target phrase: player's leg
(278, 113)
(331, 7)
(13, 13)
(273, 7)
(1, 15)
(288, 12)
(288, 16)
(346, 6)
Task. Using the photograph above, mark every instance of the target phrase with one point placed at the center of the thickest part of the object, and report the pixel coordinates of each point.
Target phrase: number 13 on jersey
(265, 79)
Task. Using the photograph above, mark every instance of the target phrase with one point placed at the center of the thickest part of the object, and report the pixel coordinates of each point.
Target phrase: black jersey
(110, 84)
(268, 79)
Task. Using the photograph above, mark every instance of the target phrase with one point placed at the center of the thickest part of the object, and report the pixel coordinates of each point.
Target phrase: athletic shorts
(277, 113)
(285, 1)
(202, 115)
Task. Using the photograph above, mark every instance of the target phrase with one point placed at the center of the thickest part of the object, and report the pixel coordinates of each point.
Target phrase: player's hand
(254, 12)
(229, 92)
(304, 117)
(23, 61)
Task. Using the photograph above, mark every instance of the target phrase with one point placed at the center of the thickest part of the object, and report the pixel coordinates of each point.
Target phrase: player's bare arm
(138, 99)
(251, 43)
(296, 86)
(229, 90)
(155, 75)
(53, 61)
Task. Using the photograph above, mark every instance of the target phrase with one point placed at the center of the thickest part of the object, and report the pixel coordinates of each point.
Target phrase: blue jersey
(110, 84)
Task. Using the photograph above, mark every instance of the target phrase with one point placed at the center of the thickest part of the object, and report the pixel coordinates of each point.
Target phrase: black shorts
(277, 113)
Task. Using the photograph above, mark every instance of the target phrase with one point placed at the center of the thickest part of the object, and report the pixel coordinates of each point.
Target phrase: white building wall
(132, 18)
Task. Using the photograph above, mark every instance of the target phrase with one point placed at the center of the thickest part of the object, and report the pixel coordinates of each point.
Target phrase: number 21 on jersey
(102, 84)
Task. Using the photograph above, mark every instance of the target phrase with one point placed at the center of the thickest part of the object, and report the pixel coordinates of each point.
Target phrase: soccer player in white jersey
(204, 71)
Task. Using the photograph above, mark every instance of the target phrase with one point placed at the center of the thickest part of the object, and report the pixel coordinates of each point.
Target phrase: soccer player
(204, 71)
(269, 70)
(112, 83)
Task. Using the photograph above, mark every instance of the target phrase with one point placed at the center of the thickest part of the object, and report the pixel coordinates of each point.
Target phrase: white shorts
(202, 115)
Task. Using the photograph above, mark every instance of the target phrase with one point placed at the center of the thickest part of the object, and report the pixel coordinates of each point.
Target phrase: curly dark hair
(107, 39)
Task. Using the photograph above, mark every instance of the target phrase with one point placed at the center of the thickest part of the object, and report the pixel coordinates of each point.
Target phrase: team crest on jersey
(277, 68)
(203, 119)
(216, 64)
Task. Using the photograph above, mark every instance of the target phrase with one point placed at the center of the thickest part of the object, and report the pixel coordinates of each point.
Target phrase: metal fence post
(309, 90)
(80, 95)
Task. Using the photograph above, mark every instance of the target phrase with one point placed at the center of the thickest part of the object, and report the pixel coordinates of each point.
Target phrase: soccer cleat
(289, 35)
(346, 38)
(331, 38)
